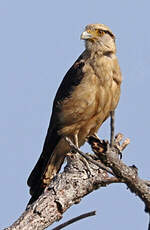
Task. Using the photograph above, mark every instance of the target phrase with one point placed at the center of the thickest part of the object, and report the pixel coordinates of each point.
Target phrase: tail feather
(48, 165)
(51, 169)
(51, 141)
(35, 180)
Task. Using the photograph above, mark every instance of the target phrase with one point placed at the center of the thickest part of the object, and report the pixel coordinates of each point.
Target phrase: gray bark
(81, 177)
(66, 189)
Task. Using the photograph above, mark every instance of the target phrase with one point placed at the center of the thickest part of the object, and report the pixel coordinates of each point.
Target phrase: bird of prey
(87, 95)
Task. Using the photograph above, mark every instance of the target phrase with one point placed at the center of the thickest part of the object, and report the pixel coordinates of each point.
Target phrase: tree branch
(124, 173)
(65, 190)
(70, 186)
(85, 215)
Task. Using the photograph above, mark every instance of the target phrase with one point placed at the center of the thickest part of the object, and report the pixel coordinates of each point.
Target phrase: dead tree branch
(124, 173)
(65, 190)
(85, 215)
(78, 180)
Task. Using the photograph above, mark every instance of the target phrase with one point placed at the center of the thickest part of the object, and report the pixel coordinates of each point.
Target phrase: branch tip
(71, 221)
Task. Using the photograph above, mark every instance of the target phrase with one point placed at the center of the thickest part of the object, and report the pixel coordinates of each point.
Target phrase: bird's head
(99, 37)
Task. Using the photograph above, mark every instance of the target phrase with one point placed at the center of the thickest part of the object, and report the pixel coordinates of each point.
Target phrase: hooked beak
(85, 35)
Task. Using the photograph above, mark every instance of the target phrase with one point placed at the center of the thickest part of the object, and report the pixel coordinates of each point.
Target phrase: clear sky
(39, 41)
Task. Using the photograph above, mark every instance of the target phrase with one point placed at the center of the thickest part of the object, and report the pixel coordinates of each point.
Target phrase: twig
(112, 127)
(100, 165)
(88, 214)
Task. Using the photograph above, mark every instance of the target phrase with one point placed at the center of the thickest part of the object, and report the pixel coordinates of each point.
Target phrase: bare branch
(66, 189)
(69, 187)
(112, 127)
(85, 215)
(127, 174)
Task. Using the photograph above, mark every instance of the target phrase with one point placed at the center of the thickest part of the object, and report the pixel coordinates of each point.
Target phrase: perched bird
(88, 93)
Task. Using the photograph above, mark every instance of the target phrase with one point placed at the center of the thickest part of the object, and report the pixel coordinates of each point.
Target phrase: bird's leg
(76, 142)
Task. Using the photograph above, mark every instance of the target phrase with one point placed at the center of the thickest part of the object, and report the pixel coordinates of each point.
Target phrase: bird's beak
(85, 35)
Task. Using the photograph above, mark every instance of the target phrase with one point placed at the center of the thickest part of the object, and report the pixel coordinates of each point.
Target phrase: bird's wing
(69, 83)
(71, 80)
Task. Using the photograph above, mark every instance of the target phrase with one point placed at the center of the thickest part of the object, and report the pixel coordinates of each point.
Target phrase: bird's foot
(101, 146)
(97, 144)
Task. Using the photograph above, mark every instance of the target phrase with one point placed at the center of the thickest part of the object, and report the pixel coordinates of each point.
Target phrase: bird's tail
(47, 166)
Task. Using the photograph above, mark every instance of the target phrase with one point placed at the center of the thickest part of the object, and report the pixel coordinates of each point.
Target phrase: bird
(87, 95)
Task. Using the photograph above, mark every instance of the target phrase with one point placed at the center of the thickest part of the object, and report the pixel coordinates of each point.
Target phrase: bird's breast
(91, 101)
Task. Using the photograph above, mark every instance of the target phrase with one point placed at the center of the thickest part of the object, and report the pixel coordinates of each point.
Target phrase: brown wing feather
(70, 81)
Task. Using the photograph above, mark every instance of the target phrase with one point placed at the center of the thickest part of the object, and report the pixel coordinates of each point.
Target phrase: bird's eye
(101, 32)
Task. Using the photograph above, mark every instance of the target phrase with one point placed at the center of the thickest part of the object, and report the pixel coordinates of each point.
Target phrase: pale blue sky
(39, 41)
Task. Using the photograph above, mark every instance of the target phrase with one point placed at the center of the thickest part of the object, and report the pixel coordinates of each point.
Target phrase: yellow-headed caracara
(88, 93)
